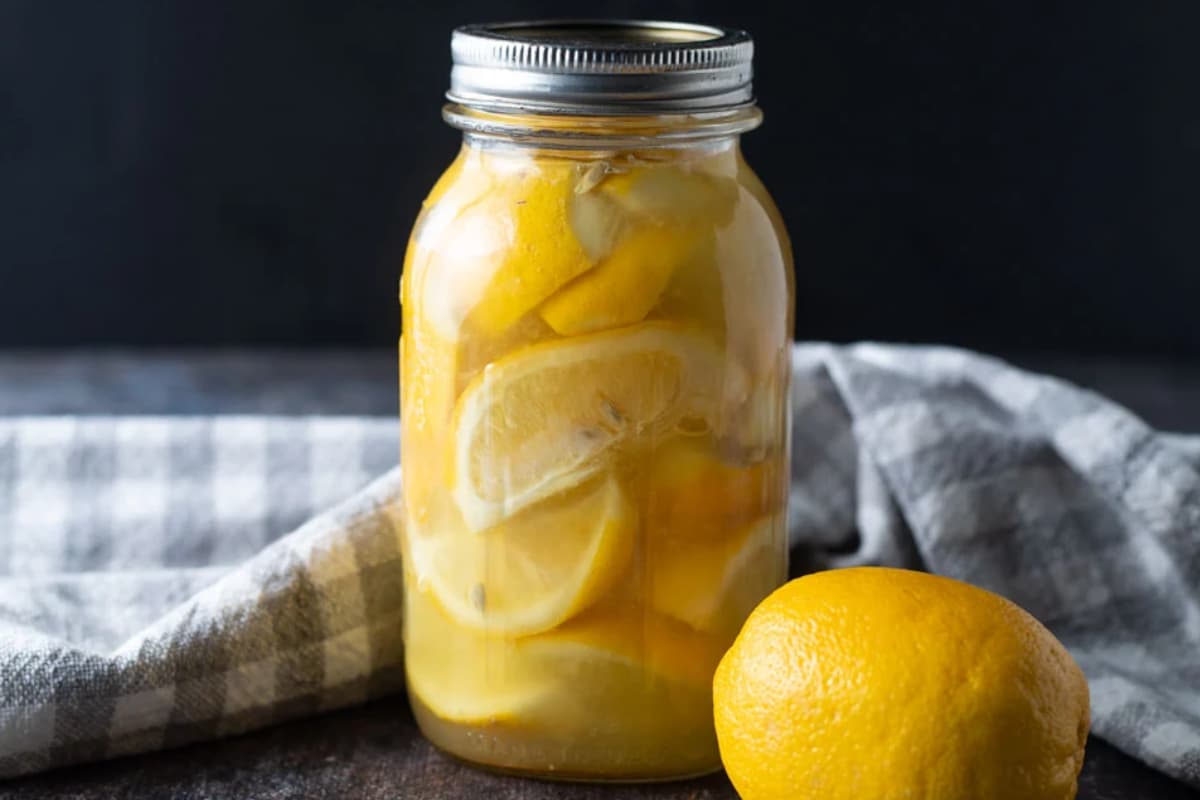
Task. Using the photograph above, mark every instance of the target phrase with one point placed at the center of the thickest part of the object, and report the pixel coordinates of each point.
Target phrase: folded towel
(165, 580)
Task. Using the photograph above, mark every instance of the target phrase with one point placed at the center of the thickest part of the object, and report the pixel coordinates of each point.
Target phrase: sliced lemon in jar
(534, 570)
(462, 675)
(670, 192)
(434, 370)
(651, 676)
(714, 585)
(631, 644)
(548, 417)
(753, 419)
(542, 252)
(625, 286)
(693, 494)
(694, 292)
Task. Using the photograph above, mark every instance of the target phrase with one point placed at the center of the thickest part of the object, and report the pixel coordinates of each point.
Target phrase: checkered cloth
(159, 583)
(147, 598)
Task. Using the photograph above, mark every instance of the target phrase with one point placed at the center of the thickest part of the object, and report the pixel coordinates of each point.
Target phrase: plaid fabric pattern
(159, 582)
(147, 599)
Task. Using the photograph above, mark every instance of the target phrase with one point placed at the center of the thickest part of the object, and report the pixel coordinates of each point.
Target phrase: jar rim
(592, 131)
(601, 67)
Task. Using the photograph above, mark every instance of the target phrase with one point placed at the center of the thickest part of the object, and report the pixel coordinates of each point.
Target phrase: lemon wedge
(533, 571)
(674, 193)
(462, 675)
(632, 646)
(692, 494)
(652, 675)
(694, 292)
(713, 586)
(493, 244)
(542, 252)
(625, 286)
(543, 419)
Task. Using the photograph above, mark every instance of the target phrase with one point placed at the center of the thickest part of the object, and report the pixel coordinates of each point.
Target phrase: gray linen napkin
(159, 583)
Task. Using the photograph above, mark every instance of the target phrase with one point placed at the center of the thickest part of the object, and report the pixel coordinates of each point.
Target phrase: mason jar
(597, 311)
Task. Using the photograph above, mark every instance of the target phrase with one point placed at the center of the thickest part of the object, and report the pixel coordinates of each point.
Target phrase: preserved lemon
(545, 418)
(624, 286)
(594, 437)
(736, 572)
(532, 571)
(556, 692)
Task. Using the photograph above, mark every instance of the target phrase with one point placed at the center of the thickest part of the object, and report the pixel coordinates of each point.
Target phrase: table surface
(375, 751)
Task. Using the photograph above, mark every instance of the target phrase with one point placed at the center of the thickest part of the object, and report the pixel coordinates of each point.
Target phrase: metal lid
(600, 67)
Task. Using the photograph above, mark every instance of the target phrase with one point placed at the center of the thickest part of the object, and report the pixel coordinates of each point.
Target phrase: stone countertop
(375, 751)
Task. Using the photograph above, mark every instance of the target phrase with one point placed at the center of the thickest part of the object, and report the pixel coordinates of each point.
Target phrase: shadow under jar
(597, 310)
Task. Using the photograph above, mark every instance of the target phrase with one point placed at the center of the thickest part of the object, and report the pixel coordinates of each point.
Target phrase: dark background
(1014, 177)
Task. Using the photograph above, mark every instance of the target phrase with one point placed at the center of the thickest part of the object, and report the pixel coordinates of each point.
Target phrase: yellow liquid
(593, 375)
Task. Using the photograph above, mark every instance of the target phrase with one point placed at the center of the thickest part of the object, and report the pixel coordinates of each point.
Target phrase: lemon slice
(495, 244)
(692, 494)
(625, 286)
(651, 676)
(713, 586)
(434, 370)
(460, 674)
(632, 646)
(630, 684)
(543, 419)
(534, 570)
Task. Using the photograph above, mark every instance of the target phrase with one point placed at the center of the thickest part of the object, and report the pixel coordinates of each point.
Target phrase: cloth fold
(171, 579)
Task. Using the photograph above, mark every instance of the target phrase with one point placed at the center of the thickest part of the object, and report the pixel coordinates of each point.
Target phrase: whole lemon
(873, 683)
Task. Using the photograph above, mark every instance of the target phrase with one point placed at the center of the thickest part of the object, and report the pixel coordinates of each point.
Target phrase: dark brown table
(375, 751)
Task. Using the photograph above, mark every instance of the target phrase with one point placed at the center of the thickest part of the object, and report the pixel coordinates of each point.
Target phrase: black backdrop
(1009, 176)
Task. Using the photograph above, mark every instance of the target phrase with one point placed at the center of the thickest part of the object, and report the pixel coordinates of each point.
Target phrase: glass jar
(597, 313)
